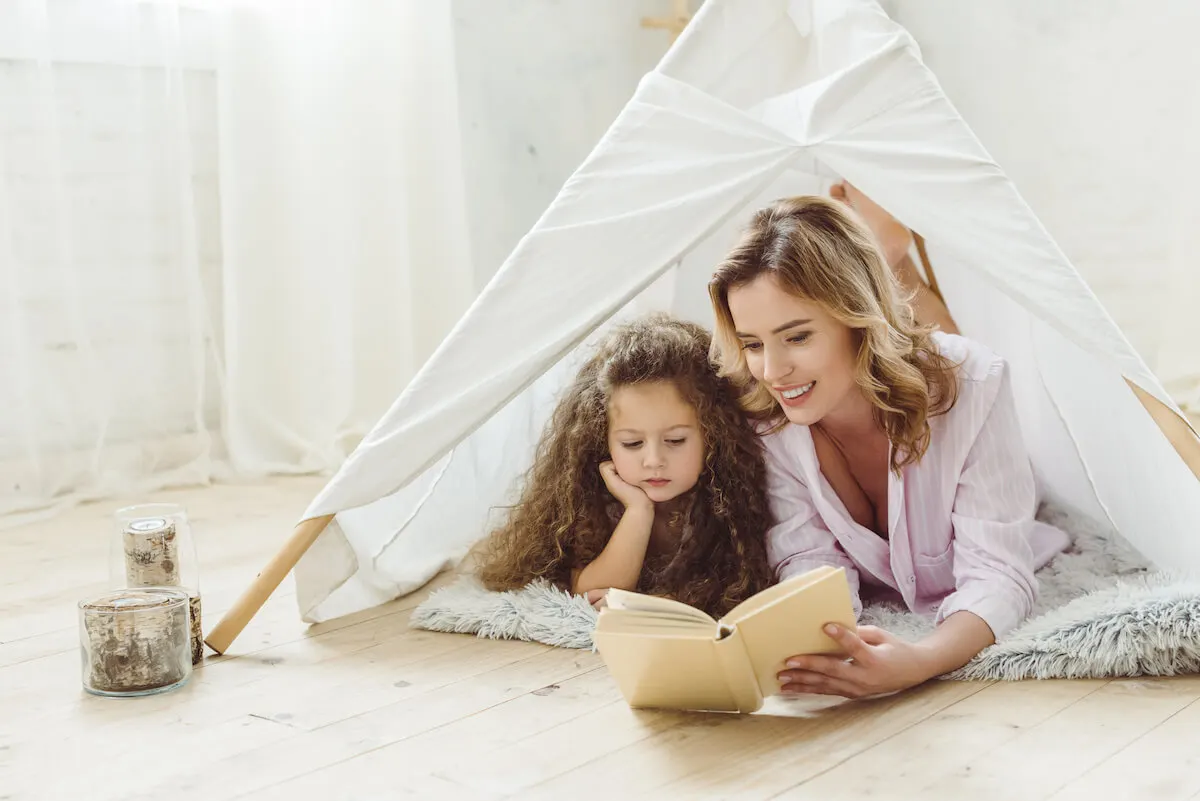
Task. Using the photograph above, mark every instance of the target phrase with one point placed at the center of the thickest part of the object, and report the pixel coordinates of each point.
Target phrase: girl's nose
(652, 457)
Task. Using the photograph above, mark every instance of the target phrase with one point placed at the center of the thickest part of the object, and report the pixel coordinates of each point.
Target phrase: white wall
(1091, 107)
(539, 83)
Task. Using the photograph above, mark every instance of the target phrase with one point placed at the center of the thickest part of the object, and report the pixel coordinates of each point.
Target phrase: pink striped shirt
(961, 531)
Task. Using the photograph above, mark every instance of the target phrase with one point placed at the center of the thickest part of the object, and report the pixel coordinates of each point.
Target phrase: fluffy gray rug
(1101, 614)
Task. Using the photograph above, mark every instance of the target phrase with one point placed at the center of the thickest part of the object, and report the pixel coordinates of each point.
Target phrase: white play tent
(758, 99)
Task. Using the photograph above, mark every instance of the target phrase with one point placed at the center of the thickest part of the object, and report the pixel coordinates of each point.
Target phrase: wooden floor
(367, 708)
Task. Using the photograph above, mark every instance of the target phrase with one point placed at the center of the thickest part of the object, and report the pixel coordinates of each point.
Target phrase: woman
(893, 450)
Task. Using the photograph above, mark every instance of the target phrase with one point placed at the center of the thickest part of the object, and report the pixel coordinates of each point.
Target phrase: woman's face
(794, 348)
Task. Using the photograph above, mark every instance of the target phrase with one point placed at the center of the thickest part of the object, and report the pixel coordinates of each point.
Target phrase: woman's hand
(629, 495)
(879, 663)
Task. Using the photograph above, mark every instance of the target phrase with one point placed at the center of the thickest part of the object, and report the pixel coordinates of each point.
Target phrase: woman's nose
(776, 367)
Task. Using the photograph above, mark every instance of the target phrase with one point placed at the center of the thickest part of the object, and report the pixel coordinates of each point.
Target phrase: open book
(667, 654)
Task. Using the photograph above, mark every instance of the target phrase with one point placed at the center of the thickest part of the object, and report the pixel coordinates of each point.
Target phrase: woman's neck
(852, 421)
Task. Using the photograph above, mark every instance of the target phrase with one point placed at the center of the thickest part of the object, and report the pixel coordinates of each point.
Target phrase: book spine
(739, 672)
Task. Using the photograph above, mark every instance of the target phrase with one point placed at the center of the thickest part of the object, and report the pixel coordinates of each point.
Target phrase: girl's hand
(880, 663)
(629, 495)
(597, 598)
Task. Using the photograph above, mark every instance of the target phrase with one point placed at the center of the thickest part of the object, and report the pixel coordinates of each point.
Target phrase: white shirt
(961, 528)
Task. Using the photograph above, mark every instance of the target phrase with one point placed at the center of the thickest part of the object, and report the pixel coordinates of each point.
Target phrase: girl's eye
(632, 445)
(677, 441)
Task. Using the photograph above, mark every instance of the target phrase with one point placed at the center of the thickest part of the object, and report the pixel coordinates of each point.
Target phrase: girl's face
(655, 440)
(794, 348)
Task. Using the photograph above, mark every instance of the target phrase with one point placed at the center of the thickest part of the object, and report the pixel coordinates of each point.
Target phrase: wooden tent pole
(930, 278)
(1178, 431)
(271, 576)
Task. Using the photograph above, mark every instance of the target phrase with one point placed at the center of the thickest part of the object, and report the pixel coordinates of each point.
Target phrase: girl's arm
(620, 563)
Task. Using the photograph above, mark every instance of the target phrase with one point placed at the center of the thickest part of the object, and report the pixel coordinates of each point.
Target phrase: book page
(794, 624)
(667, 671)
(654, 605)
(632, 620)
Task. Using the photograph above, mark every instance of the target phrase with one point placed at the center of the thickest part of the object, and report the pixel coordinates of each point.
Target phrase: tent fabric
(757, 100)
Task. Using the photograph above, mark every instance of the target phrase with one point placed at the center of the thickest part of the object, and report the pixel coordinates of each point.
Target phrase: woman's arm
(798, 540)
(954, 643)
(993, 514)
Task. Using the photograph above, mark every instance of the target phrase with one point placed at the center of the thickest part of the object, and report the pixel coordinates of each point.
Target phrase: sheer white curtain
(345, 233)
(229, 233)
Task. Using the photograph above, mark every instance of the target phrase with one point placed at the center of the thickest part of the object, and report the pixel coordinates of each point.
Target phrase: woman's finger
(816, 684)
(851, 644)
(832, 666)
(873, 635)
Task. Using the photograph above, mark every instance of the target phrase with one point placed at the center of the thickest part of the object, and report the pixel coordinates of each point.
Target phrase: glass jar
(153, 546)
(135, 641)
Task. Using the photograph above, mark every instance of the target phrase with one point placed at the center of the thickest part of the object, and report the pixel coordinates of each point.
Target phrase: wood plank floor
(368, 708)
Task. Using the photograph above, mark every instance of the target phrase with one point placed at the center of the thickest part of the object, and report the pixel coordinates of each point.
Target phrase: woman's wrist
(955, 642)
(929, 661)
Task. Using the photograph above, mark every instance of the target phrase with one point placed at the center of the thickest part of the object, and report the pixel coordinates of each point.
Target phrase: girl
(893, 450)
(648, 478)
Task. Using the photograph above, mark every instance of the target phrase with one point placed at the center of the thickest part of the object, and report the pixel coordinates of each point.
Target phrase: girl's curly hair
(565, 514)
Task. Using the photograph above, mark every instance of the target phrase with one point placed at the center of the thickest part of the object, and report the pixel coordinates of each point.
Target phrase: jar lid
(135, 600)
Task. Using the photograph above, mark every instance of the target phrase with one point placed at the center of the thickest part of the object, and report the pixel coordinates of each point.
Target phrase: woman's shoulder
(781, 437)
(982, 374)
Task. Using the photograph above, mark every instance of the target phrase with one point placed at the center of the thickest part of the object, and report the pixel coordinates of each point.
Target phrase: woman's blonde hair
(817, 250)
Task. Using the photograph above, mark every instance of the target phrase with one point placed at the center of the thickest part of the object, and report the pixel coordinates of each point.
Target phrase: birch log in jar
(151, 551)
(153, 547)
(135, 641)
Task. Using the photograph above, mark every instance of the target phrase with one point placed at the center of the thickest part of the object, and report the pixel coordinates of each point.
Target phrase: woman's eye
(751, 345)
(799, 339)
